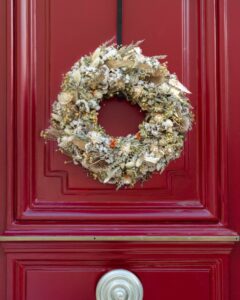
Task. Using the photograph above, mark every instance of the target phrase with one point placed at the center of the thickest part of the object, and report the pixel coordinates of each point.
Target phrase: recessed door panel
(49, 37)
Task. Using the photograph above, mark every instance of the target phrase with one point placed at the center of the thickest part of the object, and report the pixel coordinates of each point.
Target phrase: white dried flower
(56, 117)
(139, 161)
(138, 91)
(167, 124)
(164, 88)
(186, 124)
(126, 148)
(96, 62)
(76, 76)
(94, 105)
(95, 137)
(158, 118)
(110, 53)
(177, 84)
(130, 164)
(154, 148)
(98, 94)
(126, 180)
(64, 141)
(110, 174)
(64, 98)
(84, 103)
(151, 159)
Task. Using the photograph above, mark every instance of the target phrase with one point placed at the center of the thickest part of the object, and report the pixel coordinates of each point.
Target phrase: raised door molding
(72, 270)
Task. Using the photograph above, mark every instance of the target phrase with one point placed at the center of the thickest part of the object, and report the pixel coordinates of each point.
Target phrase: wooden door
(60, 230)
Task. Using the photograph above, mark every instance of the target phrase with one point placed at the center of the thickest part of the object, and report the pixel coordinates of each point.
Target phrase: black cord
(119, 95)
(119, 21)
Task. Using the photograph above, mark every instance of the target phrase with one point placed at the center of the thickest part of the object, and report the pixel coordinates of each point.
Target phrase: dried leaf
(113, 64)
(79, 143)
(177, 84)
(145, 67)
(93, 83)
(51, 133)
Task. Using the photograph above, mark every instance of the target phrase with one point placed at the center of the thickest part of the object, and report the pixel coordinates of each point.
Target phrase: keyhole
(119, 118)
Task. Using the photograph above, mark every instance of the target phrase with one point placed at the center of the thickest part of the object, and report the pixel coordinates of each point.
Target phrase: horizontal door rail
(92, 238)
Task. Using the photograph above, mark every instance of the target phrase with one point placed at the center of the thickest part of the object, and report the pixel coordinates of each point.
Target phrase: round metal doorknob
(119, 285)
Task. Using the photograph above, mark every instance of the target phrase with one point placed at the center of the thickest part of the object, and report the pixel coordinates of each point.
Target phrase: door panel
(73, 270)
(49, 36)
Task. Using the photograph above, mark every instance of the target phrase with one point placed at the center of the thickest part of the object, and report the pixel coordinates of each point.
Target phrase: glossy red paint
(197, 195)
(71, 271)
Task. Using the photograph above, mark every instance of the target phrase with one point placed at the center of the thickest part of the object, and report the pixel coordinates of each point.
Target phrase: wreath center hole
(119, 117)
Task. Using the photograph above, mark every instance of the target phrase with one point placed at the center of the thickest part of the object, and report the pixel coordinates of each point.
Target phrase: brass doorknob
(119, 285)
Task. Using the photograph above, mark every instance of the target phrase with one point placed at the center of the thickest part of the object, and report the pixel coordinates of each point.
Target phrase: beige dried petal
(76, 76)
(130, 164)
(51, 133)
(139, 162)
(65, 97)
(177, 84)
(56, 117)
(137, 92)
(125, 148)
(98, 94)
(120, 84)
(110, 174)
(151, 159)
(96, 54)
(159, 75)
(158, 118)
(112, 64)
(99, 165)
(160, 56)
(127, 180)
(185, 124)
(79, 143)
(145, 67)
(95, 81)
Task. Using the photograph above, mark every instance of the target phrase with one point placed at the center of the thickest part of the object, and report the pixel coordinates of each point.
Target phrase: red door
(60, 230)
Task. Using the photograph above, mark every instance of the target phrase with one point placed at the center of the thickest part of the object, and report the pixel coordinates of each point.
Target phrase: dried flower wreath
(143, 80)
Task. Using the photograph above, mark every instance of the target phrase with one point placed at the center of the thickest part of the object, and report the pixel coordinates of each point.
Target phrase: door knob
(119, 285)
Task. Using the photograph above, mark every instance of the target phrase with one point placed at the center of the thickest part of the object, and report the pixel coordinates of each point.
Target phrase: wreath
(124, 71)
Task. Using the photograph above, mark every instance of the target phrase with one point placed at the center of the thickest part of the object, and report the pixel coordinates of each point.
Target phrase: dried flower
(113, 143)
(76, 76)
(138, 136)
(64, 98)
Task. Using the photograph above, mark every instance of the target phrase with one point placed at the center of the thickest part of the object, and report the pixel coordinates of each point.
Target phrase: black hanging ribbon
(119, 21)
(119, 94)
